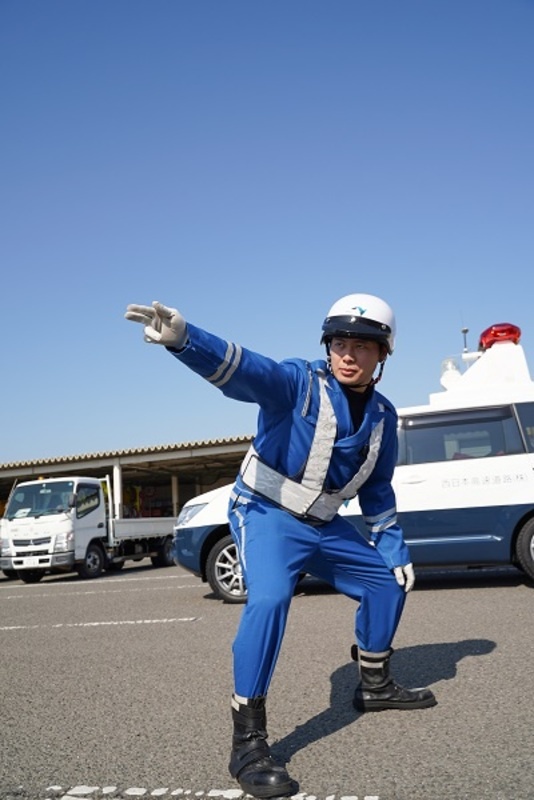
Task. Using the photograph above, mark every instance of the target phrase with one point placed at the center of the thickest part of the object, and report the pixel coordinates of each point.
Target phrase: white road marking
(123, 577)
(89, 792)
(99, 624)
(76, 593)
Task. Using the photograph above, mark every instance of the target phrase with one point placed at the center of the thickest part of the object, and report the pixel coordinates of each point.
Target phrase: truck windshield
(39, 499)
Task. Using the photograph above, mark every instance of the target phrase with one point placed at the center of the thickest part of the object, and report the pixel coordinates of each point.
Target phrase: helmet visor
(350, 327)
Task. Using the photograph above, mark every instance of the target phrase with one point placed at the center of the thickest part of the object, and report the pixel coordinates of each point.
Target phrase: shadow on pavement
(429, 578)
(421, 665)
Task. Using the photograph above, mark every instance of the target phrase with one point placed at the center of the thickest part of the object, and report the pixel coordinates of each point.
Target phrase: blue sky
(249, 162)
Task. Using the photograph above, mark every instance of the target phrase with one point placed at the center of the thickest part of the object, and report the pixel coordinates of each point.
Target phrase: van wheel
(524, 548)
(165, 554)
(93, 564)
(30, 575)
(223, 572)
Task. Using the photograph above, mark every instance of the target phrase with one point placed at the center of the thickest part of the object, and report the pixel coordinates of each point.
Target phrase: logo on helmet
(361, 311)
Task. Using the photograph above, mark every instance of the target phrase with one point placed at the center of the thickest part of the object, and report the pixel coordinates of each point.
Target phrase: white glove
(162, 325)
(405, 576)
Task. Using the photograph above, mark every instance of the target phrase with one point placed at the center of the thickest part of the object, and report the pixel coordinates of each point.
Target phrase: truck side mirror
(72, 500)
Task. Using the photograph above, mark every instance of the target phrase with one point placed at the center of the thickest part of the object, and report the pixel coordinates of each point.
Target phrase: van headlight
(187, 513)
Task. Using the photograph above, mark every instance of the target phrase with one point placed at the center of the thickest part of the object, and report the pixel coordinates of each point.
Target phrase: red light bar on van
(502, 332)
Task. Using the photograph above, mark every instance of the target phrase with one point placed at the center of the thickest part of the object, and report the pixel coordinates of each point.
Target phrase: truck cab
(54, 525)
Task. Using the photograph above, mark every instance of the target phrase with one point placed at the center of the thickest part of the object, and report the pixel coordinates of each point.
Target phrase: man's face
(353, 361)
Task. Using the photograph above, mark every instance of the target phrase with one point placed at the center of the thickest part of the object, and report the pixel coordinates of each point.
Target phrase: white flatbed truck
(67, 524)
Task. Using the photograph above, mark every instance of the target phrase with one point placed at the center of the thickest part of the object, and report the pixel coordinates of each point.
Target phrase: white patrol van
(464, 479)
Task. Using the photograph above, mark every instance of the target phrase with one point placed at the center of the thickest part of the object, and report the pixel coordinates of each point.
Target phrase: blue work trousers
(275, 548)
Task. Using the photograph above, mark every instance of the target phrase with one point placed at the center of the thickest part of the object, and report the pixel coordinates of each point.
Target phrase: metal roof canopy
(201, 463)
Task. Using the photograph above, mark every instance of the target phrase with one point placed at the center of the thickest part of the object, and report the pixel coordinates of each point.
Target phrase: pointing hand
(162, 325)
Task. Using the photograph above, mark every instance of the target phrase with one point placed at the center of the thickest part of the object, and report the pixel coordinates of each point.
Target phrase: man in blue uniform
(324, 435)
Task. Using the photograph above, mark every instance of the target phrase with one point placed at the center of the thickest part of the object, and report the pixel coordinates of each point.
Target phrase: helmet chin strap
(372, 382)
(379, 376)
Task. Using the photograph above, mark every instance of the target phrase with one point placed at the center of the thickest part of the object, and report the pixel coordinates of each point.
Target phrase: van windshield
(40, 499)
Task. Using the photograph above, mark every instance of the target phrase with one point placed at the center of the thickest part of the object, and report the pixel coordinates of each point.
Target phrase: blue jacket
(288, 394)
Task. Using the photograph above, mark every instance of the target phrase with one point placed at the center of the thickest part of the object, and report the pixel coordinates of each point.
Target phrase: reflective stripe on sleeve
(228, 366)
(381, 522)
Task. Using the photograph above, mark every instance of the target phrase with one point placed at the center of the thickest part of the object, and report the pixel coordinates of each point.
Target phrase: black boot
(378, 691)
(251, 762)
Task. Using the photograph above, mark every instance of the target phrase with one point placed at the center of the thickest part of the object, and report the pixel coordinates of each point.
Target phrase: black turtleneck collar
(357, 403)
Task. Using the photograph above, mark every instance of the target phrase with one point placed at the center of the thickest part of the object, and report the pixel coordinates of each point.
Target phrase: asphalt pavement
(120, 688)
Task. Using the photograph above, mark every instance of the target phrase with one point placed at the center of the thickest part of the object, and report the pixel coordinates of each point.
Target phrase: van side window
(87, 499)
(525, 412)
(448, 436)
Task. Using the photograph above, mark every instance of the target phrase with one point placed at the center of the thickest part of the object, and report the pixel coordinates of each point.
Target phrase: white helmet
(361, 316)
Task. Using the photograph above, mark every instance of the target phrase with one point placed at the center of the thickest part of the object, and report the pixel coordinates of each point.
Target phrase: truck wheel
(11, 574)
(165, 554)
(93, 563)
(524, 548)
(223, 572)
(30, 575)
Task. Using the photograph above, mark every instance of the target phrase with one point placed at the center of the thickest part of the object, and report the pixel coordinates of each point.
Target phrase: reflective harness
(306, 498)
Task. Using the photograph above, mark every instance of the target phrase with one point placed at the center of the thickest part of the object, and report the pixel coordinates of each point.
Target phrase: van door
(462, 483)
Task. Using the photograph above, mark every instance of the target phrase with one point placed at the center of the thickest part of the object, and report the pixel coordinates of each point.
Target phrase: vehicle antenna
(465, 331)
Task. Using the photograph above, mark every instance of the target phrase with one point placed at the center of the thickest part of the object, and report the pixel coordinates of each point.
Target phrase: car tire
(524, 548)
(223, 572)
(10, 574)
